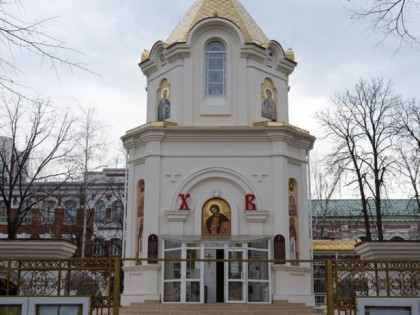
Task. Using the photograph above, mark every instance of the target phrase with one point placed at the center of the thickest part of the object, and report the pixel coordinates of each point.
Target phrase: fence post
(329, 287)
(8, 277)
(117, 282)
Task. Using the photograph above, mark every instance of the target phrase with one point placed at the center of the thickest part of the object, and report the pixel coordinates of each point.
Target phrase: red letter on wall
(184, 204)
(249, 202)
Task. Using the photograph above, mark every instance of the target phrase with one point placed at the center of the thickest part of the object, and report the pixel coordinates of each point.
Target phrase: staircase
(277, 308)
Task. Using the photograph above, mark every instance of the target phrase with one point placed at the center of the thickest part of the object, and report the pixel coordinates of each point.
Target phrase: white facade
(218, 149)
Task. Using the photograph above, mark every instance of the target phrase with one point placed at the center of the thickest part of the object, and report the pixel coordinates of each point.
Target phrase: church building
(217, 172)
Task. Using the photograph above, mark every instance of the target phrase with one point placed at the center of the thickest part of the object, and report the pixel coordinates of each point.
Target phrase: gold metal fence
(98, 278)
(348, 279)
(101, 279)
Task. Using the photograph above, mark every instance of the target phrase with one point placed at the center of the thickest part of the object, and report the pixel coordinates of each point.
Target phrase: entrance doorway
(231, 280)
(214, 288)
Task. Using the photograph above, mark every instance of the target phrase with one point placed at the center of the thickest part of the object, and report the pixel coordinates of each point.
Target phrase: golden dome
(231, 10)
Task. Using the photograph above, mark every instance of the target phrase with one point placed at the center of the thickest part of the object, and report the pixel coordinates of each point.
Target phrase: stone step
(226, 312)
(214, 308)
(277, 308)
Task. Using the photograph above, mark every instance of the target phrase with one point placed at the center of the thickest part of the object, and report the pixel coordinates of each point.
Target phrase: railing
(349, 279)
(98, 278)
(346, 279)
(318, 276)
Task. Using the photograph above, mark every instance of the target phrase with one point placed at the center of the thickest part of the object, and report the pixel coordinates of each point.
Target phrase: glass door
(236, 276)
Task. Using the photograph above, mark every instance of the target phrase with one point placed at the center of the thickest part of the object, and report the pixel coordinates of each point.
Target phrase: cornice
(178, 51)
(148, 67)
(259, 131)
(286, 65)
(253, 52)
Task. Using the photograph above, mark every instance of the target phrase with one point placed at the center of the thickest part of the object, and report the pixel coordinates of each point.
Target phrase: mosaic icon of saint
(164, 108)
(268, 106)
(217, 223)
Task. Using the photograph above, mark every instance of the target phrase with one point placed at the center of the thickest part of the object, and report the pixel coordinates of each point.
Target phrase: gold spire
(231, 10)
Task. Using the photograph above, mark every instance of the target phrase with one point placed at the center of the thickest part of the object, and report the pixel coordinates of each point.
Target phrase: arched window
(26, 213)
(115, 247)
(3, 212)
(98, 247)
(48, 212)
(100, 214)
(70, 212)
(397, 238)
(215, 73)
(116, 211)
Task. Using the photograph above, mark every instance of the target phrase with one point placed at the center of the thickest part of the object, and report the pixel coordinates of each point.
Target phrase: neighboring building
(343, 219)
(5, 153)
(92, 218)
(217, 171)
(338, 226)
(8, 161)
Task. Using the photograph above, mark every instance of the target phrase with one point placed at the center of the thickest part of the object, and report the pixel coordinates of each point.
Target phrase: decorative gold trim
(270, 124)
(162, 124)
(277, 124)
(334, 245)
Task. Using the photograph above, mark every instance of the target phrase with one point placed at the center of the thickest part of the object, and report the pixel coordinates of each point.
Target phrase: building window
(70, 212)
(3, 212)
(26, 212)
(27, 217)
(100, 213)
(47, 212)
(115, 247)
(116, 211)
(215, 72)
(98, 247)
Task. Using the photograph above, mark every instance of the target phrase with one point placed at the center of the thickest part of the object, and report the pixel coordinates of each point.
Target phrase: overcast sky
(331, 49)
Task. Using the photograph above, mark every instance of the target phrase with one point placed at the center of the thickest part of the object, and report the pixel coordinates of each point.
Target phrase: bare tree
(344, 157)
(92, 142)
(407, 129)
(390, 18)
(35, 144)
(407, 123)
(324, 186)
(19, 36)
(90, 155)
(361, 127)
